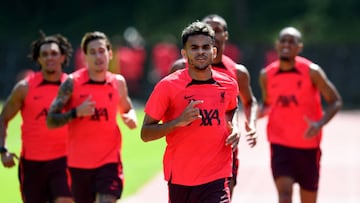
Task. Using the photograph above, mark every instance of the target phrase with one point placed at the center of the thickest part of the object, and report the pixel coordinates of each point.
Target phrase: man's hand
(130, 119)
(313, 129)
(190, 113)
(251, 136)
(87, 108)
(234, 137)
(8, 159)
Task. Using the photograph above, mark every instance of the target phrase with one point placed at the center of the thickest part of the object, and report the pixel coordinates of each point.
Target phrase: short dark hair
(197, 28)
(90, 36)
(64, 46)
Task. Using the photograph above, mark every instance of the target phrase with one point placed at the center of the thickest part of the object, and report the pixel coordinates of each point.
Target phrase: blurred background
(146, 35)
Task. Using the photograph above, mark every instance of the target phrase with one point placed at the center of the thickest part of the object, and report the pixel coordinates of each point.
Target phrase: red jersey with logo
(94, 140)
(292, 96)
(39, 143)
(195, 154)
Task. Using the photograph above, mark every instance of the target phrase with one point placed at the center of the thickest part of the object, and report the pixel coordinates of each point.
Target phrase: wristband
(3, 150)
(73, 113)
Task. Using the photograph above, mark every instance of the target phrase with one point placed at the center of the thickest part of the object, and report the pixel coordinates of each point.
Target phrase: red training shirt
(39, 143)
(94, 140)
(195, 154)
(292, 96)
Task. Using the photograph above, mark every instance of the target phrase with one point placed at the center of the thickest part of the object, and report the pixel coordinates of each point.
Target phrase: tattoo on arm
(56, 117)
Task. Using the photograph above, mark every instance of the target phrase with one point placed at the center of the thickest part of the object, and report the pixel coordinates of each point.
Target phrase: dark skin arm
(234, 137)
(248, 102)
(263, 109)
(330, 95)
(11, 107)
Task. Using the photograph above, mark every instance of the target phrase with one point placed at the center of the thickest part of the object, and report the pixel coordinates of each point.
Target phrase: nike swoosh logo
(188, 97)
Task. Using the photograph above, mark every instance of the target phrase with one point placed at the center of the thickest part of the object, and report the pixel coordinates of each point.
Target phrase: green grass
(141, 160)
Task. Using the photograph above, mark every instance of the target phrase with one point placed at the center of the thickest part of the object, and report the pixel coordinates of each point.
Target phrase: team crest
(222, 97)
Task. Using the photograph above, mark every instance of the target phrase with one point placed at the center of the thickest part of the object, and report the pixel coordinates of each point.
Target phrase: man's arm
(232, 119)
(152, 129)
(248, 101)
(330, 95)
(55, 117)
(127, 110)
(263, 108)
(11, 107)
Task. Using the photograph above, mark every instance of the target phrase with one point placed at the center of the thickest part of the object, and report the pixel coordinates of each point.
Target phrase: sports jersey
(227, 66)
(39, 143)
(195, 154)
(292, 96)
(94, 140)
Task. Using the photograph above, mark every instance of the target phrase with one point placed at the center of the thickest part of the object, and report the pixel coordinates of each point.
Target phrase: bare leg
(105, 198)
(284, 186)
(308, 196)
(63, 200)
(231, 186)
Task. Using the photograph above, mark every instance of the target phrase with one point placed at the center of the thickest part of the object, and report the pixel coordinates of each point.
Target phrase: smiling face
(50, 58)
(289, 44)
(199, 52)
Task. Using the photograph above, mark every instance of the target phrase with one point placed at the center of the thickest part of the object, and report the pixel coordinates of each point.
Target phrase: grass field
(141, 160)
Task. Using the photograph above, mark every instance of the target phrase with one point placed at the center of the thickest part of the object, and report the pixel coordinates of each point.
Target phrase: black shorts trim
(213, 192)
(303, 165)
(106, 179)
(44, 181)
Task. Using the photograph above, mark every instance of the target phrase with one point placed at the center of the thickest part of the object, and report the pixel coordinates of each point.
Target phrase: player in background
(43, 172)
(89, 102)
(292, 87)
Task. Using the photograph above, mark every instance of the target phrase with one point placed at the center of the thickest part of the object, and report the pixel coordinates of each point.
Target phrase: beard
(50, 72)
(284, 58)
(200, 66)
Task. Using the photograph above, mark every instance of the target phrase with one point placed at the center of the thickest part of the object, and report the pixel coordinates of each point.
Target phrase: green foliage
(249, 21)
(141, 160)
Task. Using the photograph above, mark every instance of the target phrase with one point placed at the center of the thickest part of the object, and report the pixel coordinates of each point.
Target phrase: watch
(3, 150)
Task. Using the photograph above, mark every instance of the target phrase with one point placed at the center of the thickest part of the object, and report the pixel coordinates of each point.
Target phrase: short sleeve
(158, 101)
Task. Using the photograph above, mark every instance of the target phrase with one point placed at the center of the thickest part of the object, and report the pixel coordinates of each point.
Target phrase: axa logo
(42, 113)
(188, 96)
(209, 117)
(286, 100)
(100, 113)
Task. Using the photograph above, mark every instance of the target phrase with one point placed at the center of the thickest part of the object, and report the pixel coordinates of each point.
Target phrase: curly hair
(197, 28)
(64, 46)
